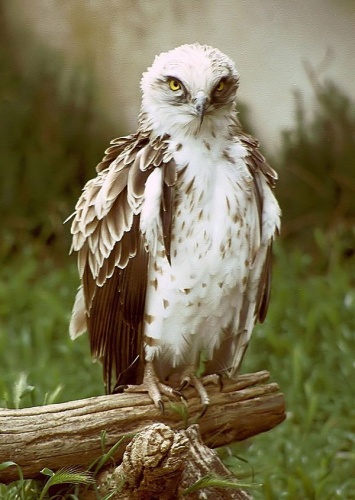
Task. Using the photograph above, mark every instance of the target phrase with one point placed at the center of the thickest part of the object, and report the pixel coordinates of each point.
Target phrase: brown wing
(112, 258)
(259, 167)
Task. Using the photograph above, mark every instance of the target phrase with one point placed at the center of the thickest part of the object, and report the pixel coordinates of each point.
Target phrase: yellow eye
(174, 84)
(220, 86)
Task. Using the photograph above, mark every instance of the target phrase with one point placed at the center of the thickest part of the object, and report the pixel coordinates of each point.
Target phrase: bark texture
(162, 464)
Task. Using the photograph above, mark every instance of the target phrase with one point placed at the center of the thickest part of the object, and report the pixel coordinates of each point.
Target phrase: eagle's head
(189, 90)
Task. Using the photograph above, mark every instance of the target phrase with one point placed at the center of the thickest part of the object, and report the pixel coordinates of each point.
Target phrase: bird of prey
(174, 234)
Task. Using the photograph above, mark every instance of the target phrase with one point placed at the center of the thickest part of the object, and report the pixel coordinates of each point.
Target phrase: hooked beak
(200, 102)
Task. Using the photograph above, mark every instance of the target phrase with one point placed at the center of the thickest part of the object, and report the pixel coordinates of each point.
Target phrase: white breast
(216, 234)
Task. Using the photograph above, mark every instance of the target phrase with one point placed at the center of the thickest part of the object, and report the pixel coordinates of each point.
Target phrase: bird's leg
(154, 388)
(189, 378)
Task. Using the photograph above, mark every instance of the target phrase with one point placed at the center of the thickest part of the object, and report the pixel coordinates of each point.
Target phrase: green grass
(306, 343)
(36, 297)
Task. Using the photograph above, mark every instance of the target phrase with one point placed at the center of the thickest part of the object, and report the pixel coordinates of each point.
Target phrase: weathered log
(162, 463)
(69, 434)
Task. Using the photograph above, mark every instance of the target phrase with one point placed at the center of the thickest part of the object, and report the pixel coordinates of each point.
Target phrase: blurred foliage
(316, 189)
(51, 137)
(36, 297)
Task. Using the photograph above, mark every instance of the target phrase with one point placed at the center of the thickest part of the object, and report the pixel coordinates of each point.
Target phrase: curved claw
(119, 388)
(204, 409)
(154, 388)
(185, 383)
(160, 405)
(184, 398)
(178, 394)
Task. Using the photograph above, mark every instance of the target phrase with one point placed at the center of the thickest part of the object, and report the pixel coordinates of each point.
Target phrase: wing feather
(256, 161)
(112, 258)
(263, 297)
(166, 209)
(117, 147)
(260, 170)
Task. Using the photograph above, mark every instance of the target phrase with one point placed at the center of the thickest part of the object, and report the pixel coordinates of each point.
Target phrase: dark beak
(201, 102)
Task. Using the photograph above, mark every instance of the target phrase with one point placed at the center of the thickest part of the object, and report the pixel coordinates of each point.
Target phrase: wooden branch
(162, 463)
(69, 434)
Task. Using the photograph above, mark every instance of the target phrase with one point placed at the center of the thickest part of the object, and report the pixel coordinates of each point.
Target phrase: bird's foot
(155, 388)
(189, 378)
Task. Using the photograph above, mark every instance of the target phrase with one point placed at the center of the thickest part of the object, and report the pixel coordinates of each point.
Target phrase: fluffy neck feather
(168, 121)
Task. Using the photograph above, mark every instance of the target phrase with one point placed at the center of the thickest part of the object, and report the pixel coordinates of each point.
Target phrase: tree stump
(163, 464)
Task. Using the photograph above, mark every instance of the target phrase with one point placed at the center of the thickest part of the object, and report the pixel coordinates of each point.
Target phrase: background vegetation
(50, 140)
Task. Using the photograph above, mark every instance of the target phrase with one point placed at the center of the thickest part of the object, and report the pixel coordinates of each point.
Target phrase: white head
(189, 90)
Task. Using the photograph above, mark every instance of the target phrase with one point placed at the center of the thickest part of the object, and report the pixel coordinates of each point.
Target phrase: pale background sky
(269, 40)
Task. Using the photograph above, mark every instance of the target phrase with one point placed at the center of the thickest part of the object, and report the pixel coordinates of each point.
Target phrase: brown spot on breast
(188, 188)
(181, 172)
(156, 267)
(204, 285)
(148, 318)
(149, 341)
(166, 303)
(186, 290)
(228, 157)
(228, 205)
(207, 145)
(236, 218)
(220, 284)
(178, 146)
(200, 214)
(154, 283)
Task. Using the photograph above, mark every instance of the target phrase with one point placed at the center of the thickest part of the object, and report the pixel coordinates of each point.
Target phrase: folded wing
(112, 258)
